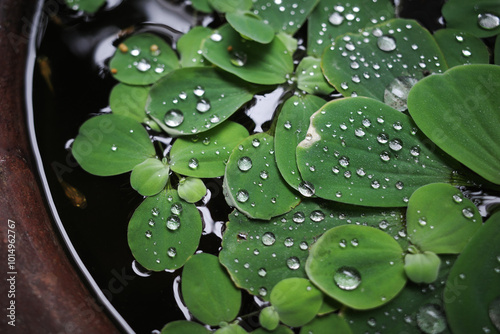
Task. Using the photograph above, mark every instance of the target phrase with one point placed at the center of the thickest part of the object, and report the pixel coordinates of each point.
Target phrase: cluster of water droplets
(285, 8)
(143, 60)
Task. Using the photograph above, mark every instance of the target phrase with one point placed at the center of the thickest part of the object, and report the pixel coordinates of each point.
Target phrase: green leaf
(462, 123)
(130, 101)
(269, 318)
(479, 17)
(329, 305)
(326, 324)
(206, 155)
(286, 16)
(111, 144)
(422, 267)
(252, 181)
(333, 18)
(360, 266)
(260, 254)
(418, 308)
(472, 291)
(251, 26)
(208, 292)
(142, 59)
(191, 189)
(265, 64)
(310, 78)
(231, 329)
(201, 5)
(229, 6)
(439, 219)
(291, 129)
(184, 327)
(360, 151)
(461, 48)
(189, 46)
(296, 300)
(383, 62)
(196, 99)
(88, 6)
(149, 177)
(164, 231)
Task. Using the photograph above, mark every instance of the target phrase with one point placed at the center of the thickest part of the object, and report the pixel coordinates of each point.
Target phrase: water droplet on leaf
(386, 43)
(306, 188)
(268, 239)
(293, 263)
(347, 278)
(174, 118)
(430, 319)
(244, 164)
(173, 222)
(488, 21)
(242, 196)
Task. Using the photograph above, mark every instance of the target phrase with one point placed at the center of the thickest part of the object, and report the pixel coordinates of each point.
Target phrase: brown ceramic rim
(51, 295)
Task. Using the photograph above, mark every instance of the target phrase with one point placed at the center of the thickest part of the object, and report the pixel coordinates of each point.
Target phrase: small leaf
(206, 155)
(439, 219)
(332, 18)
(360, 266)
(472, 290)
(383, 62)
(191, 189)
(291, 129)
(142, 59)
(286, 16)
(184, 327)
(422, 267)
(461, 48)
(296, 300)
(360, 151)
(149, 177)
(208, 292)
(252, 181)
(164, 231)
(326, 324)
(265, 64)
(310, 78)
(258, 255)
(88, 6)
(189, 44)
(251, 26)
(111, 145)
(269, 318)
(480, 17)
(195, 99)
(464, 125)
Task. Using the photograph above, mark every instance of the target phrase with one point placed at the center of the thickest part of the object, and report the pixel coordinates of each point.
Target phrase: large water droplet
(306, 188)
(396, 145)
(384, 156)
(430, 319)
(148, 234)
(174, 118)
(303, 245)
(238, 58)
(382, 138)
(457, 198)
(468, 213)
(396, 93)
(155, 212)
(173, 222)
(262, 272)
(143, 65)
(172, 252)
(176, 208)
(288, 242)
(488, 21)
(264, 174)
(347, 278)
(242, 196)
(216, 37)
(336, 19)
(299, 217)
(203, 105)
(193, 163)
(268, 239)
(386, 43)
(244, 164)
(359, 132)
(344, 161)
(317, 216)
(199, 91)
(293, 263)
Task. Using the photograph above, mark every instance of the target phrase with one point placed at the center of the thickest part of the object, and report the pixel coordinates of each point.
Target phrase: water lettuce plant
(353, 210)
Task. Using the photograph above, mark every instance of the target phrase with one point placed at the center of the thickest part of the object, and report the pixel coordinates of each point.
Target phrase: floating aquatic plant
(349, 212)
